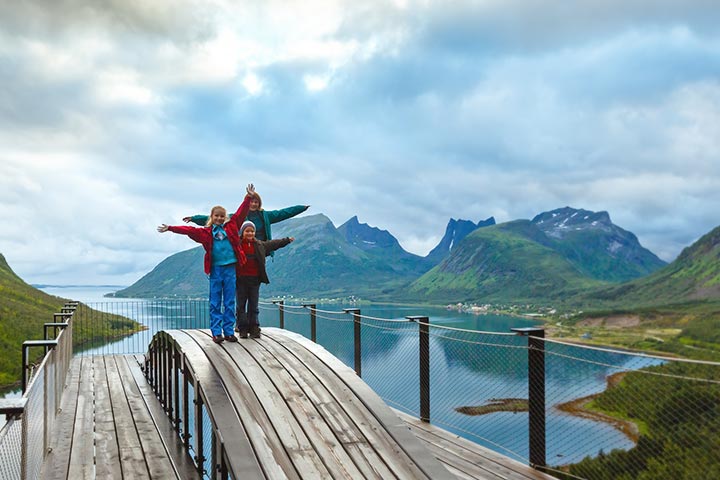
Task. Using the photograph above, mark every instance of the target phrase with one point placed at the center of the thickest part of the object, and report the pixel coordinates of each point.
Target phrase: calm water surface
(466, 369)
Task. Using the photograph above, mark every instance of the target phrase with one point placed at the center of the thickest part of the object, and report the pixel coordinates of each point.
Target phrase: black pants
(248, 295)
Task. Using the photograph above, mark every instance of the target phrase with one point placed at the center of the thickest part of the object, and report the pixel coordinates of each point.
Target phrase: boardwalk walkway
(284, 406)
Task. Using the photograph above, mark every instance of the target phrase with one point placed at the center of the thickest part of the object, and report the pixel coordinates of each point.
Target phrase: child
(262, 219)
(221, 241)
(250, 275)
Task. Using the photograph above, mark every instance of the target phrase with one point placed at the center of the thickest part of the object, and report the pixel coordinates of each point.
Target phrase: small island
(513, 405)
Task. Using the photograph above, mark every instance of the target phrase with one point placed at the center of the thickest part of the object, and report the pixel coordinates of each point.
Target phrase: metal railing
(184, 400)
(25, 437)
(574, 411)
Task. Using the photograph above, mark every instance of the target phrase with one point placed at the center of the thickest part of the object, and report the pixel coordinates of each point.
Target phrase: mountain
(558, 252)
(23, 311)
(596, 246)
(179, 275)
(509, 262)
(693, 276)
(381, 244)
(455, 231)
(321, 261)
(554, 255)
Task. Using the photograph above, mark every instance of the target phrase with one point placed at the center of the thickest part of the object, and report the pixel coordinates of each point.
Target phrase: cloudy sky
(119, 115)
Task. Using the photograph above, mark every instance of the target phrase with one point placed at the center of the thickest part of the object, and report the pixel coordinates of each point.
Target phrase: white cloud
(406, 113)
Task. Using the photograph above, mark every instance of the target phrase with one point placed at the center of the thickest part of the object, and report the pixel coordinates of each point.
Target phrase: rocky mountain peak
(455, 231)
(559, 222)
(366, 237)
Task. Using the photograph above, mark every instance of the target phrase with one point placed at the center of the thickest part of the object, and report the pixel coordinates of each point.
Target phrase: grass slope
(23, 311)
(509, 262)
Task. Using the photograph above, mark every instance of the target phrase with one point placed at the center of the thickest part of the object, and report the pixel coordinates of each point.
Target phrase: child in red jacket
(221, 241)
(250, 275)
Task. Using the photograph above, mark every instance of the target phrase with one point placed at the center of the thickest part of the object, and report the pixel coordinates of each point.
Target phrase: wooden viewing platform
(284, 408)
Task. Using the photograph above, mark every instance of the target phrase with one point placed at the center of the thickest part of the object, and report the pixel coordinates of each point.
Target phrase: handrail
(36, 410)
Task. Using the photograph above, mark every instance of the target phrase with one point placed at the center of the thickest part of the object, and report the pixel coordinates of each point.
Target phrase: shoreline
(577, 407)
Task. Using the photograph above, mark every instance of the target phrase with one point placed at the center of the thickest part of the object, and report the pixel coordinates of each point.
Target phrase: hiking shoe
(255, 332)
(218, 339)
(231, 338)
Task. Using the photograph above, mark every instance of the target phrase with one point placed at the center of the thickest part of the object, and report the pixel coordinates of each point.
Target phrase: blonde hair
(213, 210)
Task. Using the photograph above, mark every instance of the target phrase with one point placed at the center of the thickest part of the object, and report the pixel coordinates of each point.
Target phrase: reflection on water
(467, 368)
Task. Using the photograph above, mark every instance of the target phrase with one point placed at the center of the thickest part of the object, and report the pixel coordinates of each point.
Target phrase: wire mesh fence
(11, 449)
(606, 414)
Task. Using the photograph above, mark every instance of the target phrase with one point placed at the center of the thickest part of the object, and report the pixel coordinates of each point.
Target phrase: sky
(119, 115)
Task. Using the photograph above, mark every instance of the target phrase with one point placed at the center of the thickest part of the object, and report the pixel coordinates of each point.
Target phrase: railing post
(176, 379)
(186, 408)
(199, 449)
(424, 367)
(281, 311)
(358, 349)
(313, 330)
(25, 353)
(536, 393)
(55, 326)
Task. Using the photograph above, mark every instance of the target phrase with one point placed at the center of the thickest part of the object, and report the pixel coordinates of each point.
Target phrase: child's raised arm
(241, 214)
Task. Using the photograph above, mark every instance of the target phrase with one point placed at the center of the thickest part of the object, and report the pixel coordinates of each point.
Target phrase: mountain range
(557, 254)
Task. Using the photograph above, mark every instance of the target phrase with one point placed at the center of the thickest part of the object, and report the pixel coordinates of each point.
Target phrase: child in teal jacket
(262, 219)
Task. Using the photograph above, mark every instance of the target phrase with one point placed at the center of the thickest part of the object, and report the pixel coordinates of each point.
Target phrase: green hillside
(23, 311)
(596, 246)
(509, 262)
(693, 276)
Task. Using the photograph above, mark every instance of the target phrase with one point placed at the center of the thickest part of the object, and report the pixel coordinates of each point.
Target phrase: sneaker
(218, 339)
(255, 332)
(242, 333)
(231, 338)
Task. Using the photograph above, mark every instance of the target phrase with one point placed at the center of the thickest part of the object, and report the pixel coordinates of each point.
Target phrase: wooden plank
(345, 430)
(57, 461)
(153, 447)
(470, 456)
(107, 457)
(82, 457)
(404, 453)
(269, 409)
(321, 436)
(182, 463)
(242, 453)
(132, 460)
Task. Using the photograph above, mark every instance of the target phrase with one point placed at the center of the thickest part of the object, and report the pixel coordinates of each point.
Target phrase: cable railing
(25, 437)
(573, 411)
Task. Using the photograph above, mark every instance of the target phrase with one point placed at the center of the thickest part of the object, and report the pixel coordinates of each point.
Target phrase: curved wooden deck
(284, 408)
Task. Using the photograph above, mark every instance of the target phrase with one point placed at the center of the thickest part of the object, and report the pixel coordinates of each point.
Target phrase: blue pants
(222, 293)
(248, 293)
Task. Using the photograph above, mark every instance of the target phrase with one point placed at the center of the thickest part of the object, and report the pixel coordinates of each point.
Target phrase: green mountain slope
(597, 247)
(509, 262)
(693, 276)
(23, 311)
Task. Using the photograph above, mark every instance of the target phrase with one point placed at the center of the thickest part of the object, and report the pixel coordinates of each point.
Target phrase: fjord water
(465, 370)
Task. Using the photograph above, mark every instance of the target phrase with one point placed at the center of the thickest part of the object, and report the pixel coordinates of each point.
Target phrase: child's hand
(250, 189)
(187, 219)
(163, 228)
(292, 239)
